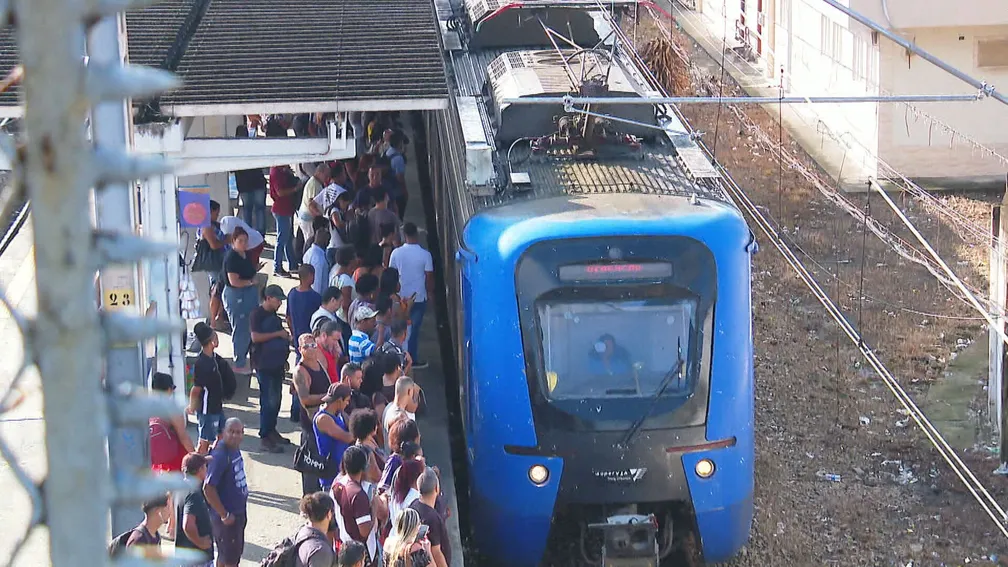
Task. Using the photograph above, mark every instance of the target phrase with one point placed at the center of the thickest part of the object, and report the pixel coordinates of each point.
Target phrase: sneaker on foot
(282, 273)
(270, 446)
(420, 364)
(280, 439)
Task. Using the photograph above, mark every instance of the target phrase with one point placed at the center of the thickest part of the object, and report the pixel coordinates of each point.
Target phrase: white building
(822, 51)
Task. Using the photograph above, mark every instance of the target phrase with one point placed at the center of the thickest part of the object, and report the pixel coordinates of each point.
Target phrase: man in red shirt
(283, 187)
(328, 337)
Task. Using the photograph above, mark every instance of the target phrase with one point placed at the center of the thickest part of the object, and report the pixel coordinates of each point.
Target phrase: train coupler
(629, 540)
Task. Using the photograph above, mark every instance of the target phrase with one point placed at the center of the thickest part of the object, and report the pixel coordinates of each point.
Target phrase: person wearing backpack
(317, 549)
(146, 534)
(310, 546)
(213, 382)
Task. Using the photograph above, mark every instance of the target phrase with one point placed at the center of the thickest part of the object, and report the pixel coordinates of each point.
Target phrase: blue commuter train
(599, 290)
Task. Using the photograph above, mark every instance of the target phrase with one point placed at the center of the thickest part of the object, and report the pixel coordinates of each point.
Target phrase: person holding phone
(405, 546)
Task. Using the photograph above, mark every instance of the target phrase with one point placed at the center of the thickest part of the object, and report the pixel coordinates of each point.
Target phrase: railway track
(12, 225)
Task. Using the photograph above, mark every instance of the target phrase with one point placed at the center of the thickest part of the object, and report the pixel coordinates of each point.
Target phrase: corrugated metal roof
(262, 51)
(152, 31)
(286, 51)
(8, 60)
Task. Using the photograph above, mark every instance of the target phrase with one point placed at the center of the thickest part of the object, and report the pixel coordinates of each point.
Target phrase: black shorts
(229, 540)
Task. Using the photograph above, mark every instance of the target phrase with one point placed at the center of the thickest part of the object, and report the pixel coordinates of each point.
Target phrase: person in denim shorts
(206, 399)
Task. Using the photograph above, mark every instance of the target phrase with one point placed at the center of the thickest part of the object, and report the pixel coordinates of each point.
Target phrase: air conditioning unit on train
(518, 74)
(479, 151)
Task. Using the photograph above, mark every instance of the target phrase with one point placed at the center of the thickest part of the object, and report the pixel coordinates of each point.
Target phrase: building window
(830, 38)
(992, 53)
(863, 67)
(784, 14)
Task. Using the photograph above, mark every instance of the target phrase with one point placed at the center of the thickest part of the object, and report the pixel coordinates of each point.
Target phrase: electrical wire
(973, 485)
(724, 50)
(965, 475)
(930, 202)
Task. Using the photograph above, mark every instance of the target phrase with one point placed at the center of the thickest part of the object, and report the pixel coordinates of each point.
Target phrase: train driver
(609, 359)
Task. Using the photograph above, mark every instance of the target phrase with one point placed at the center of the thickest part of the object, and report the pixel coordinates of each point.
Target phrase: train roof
(497, 52)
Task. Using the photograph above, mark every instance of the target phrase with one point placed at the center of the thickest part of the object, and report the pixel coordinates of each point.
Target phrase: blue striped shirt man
(360, 346)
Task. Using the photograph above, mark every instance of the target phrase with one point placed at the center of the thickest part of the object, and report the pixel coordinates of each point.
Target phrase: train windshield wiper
(675, 371)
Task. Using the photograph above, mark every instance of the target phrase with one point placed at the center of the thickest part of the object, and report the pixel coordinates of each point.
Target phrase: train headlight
(538, 474)
(705, 468)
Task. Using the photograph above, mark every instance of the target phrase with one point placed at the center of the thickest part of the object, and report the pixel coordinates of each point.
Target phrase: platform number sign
(119, 298)
(117, 290)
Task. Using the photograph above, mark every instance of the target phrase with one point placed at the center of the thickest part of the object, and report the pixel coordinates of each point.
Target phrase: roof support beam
(210, 155)
(362, 105)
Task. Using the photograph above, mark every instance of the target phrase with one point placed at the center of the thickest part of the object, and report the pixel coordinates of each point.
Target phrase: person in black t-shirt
(353, 376)
(206, 398)
(240, 295)
(437, 532)
(270, 348)
(192, 514)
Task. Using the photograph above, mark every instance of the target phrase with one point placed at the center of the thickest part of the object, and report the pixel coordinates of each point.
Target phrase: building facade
(813, 49)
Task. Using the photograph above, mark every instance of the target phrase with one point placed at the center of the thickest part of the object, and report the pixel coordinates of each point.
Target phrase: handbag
(205, 258)
(308, 461)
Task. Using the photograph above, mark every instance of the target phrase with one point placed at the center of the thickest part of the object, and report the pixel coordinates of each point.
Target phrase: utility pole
(67, 340)
(1002, 302)
(64, 341)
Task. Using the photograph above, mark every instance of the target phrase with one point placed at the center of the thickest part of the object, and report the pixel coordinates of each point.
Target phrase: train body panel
(598, 285)
(503, 446)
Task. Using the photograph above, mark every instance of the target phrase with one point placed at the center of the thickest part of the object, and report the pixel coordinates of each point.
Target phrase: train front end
(609, 375)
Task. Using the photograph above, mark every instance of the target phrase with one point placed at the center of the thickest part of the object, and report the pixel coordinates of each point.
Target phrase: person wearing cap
(270, 348)
(332, 436)
(206, 398)
(192, 514)
(169, 440)
(360, 344)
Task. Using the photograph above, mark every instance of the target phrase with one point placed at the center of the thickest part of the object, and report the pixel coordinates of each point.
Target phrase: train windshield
(616, 349)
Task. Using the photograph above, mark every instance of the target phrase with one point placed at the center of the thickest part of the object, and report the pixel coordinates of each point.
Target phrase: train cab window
(616, 349)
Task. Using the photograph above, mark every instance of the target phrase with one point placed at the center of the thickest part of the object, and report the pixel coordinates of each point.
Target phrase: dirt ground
(820, 409)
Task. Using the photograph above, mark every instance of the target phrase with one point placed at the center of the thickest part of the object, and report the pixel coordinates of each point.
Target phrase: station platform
(275, 487)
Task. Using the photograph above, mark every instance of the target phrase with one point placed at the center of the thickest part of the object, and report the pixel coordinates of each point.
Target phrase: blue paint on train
(511, 515)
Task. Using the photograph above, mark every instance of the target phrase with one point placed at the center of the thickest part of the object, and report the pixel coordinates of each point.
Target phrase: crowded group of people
(353, 320)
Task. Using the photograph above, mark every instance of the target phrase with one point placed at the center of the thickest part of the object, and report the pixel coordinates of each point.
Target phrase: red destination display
(617, 271)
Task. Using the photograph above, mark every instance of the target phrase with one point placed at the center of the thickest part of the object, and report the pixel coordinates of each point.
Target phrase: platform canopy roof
(283, 56)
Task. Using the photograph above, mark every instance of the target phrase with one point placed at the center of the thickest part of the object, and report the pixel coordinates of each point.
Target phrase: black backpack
(285, 553)
(118, 543)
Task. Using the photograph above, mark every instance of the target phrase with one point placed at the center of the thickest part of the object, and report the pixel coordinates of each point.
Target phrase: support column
(116, 211)
(159, 207)
(996, 349)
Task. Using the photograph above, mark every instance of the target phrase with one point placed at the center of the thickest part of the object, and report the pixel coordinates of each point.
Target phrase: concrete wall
(824, 52)
(917, 146)
(934, 13)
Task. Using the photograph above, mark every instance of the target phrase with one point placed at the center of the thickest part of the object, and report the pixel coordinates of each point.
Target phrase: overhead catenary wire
(979, 492)
(941, 262)
(969, 480)
(930, 202)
